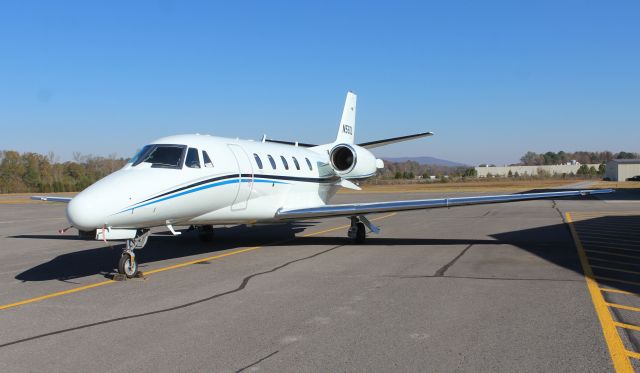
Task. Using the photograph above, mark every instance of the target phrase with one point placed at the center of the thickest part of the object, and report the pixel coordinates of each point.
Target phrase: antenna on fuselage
(264, 138)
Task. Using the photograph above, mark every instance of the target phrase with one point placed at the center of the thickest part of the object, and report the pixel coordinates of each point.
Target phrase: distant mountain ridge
(426, 160)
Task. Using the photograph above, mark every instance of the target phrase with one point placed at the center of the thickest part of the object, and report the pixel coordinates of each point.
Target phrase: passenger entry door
(245, 172)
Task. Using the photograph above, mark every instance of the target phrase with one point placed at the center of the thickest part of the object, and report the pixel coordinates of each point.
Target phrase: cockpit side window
(284, 162)
(192, 161)
(207, 160)
(161, 156)
(140, 154)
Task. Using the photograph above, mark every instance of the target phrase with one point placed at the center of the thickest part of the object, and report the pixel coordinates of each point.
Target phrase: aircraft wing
(51, 199)
(353, 209)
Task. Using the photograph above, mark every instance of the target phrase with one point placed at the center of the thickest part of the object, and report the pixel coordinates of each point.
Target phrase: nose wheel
(127, 265)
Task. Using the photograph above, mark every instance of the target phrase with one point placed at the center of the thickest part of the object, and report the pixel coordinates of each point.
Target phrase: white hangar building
(622, 169)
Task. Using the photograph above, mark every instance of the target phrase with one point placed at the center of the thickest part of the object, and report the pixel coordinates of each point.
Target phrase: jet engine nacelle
(353, 162)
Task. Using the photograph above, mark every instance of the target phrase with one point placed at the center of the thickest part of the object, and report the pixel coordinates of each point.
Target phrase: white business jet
(202, 181)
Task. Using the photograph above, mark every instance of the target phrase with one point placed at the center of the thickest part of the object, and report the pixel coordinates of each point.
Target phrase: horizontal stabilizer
(368, 145)
(51, 199)
(377, 143)
(423, 204)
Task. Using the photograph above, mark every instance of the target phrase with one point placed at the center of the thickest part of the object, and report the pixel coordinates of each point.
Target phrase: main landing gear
(357, 232)
(205, 233)
(127, 265)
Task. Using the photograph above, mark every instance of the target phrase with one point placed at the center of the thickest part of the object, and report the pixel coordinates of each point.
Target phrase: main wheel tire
(206, 233)
(127, 266)
(361, 233)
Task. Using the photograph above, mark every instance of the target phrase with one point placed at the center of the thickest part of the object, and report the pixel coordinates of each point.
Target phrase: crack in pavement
(440, 272)
(242, 285)
(257, 362)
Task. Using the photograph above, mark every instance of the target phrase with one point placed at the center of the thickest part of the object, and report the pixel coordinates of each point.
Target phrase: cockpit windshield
(160, 156)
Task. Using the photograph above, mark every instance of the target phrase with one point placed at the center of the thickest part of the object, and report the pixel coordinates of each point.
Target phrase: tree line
(33, 172)
(561, 157)
(413, 169)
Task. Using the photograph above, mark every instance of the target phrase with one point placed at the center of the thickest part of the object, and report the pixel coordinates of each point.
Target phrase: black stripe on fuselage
(329, 179)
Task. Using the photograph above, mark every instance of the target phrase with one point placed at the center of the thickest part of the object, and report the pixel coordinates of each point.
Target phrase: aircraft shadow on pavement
(618, 235)
(102, 260)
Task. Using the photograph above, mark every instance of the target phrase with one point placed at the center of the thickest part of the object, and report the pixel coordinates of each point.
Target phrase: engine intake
(343, 158)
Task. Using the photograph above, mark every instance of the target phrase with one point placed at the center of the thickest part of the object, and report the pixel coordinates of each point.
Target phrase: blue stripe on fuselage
(232, 181)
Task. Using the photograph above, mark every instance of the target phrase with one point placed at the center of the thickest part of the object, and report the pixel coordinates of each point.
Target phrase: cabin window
(207, 160)
(193, 161)
(284, 162)
(273, 163)
(309, 164)
(161, 156)
(258, 160)
(295, 162)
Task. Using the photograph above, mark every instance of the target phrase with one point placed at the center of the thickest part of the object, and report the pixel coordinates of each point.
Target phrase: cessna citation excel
(202, 181)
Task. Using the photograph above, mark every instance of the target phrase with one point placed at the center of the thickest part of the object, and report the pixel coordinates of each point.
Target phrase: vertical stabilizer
(347, 129)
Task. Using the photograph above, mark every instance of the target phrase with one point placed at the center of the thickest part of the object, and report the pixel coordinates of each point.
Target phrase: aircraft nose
(84, 212)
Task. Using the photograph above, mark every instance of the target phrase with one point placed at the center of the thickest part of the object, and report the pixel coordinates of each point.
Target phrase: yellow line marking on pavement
(623, 307)
(614, 254)
(584, 227)
(612, 262)
(634, 355)
(627, 326)
(611, 279)
(595, 237)
(608, 290)
(179, 265)
(617, 350)
(616, 270)
(605, 213)
(617, 248)
(52, 295)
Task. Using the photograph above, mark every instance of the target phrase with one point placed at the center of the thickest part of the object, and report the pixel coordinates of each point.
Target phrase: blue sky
(492, 79)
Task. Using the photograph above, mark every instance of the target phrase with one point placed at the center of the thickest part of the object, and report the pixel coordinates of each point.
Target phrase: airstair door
(245, 173)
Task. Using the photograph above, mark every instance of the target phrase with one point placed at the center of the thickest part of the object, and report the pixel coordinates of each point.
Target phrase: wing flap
(376, 207)
(51, 199)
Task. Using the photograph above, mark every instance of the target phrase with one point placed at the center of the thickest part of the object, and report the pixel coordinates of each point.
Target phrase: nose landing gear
(127, 265)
